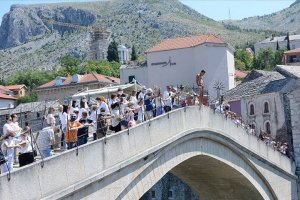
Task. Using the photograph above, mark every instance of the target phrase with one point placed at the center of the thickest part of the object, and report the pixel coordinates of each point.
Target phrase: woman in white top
(82, 109)
(159, 104)
(15, 125)
(64, 117)
(139, 109)
(116, 118)
(7, 126)
(132, 97)
(26, 155)
(8, 148)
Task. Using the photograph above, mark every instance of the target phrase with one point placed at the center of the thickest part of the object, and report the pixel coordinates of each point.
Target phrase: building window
(266, 107)
(153, 196)
(37, 115)
(130, 78)
(268, 127)
(251, 109)
(170, 194)
(25, 116)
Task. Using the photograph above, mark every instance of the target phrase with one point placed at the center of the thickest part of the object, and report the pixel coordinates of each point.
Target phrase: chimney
(58, 81)
(76, 78)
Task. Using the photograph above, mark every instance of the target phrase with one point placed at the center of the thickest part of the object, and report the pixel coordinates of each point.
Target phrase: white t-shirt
(63, 119)
(105, 106)
(81, 110)
(8, 152)
(16, 128)
(167, 98)
(94, 118)
(141, 95)
(159, 101)
(133, 99)
(7, 127)
(50, 120)
(140, 113)
(116, 114)
(27, 148)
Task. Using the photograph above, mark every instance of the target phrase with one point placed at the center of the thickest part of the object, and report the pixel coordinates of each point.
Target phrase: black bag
(2, 158)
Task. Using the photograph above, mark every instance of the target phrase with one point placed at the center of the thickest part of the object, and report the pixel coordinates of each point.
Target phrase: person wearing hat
(83, 133)
(26, 155)
(142, 93)
(71, 134)
(148, 101)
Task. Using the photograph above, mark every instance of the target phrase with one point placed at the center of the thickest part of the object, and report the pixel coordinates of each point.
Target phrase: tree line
(265, 59)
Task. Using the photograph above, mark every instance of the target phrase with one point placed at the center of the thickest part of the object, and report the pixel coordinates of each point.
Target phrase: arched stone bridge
(211, 154)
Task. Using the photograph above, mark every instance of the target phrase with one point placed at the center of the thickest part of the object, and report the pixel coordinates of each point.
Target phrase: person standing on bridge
(199, 81)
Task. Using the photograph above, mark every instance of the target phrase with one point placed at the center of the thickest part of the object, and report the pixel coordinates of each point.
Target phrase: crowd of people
(79, 118)
(282, 146)
(104, 116)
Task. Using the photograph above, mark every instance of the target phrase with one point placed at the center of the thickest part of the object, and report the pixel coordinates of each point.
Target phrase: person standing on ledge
(199, 81)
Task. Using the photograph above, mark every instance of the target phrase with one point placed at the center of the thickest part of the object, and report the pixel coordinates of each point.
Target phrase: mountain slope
(29, 42)
(286, 20)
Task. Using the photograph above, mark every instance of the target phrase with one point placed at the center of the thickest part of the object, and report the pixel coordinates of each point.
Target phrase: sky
(215, 9)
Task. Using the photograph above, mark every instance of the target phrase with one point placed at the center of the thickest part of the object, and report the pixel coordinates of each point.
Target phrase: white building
(177, 61)
(271, 42)
(124, 54)
(7, 101)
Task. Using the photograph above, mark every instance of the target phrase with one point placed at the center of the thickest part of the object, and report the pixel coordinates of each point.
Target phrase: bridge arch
(192, 157)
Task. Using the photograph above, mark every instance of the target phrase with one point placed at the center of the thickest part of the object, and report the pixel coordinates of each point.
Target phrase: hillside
(286, 20)
(28, 42)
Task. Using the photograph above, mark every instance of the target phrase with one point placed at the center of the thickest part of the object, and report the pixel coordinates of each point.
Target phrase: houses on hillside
(9, 95)
(177, 61)
(276, 43)
(291, 57)
(62, 88)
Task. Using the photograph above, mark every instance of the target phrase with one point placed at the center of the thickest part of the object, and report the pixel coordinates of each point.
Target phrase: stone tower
(100, 38)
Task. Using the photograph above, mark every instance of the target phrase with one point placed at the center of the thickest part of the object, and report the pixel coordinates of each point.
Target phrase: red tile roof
(4, 88)
(292, 51)
(240, 74)
(15, 87)
(184, 42)
(5, 96)
(86, 78)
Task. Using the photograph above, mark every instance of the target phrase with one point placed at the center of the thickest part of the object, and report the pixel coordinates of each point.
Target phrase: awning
(107, 91)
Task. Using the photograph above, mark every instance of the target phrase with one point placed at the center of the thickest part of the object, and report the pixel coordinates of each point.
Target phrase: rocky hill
(27, 41)
(286, 20)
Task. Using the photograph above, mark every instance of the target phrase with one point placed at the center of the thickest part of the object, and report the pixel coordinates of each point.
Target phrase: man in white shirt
(142, 93)
(167, 99)
(45, 140)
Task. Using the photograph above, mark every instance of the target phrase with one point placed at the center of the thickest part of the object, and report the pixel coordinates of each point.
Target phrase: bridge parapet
(68, 172)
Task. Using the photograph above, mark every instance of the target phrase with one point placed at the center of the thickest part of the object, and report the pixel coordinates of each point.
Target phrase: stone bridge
(217, 159)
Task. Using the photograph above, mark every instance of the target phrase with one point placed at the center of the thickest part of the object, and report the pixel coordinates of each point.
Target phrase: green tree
(104, 67)
(70, 66)
(278, 56)
(112, 52)
(133, 54)
(288, 41)
(265, 59)
(26, 99)
(30, 78)
(243, 60)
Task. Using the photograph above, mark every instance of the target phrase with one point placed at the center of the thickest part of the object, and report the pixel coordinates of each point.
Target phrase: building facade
(63, 88)
(177, 61)
(278, 42)
(262, 100)
(291, 57)
(18, 90)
